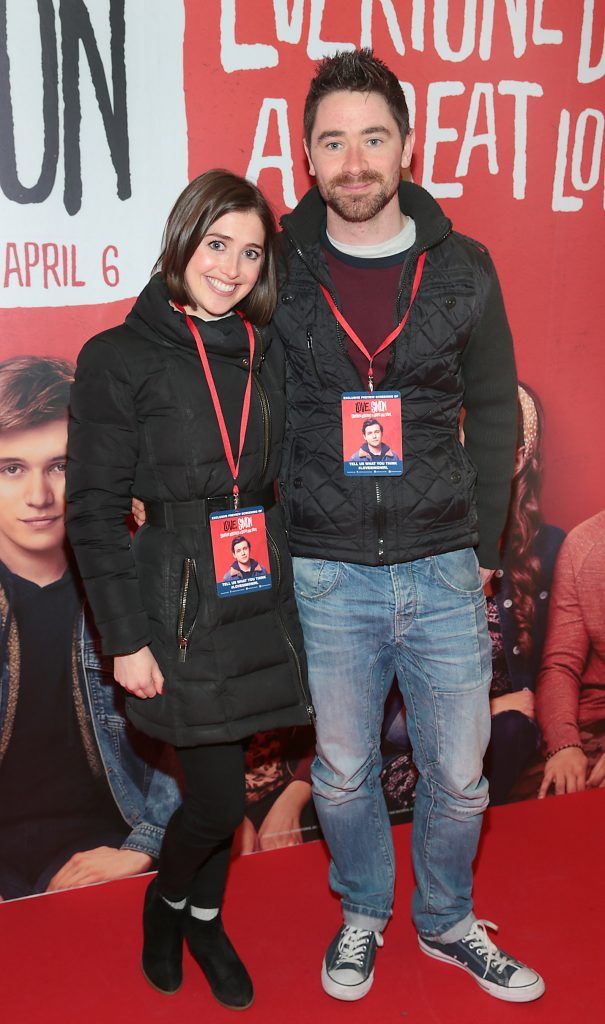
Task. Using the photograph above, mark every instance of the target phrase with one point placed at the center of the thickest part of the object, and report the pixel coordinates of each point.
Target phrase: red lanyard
(390, 337)
(233, 465)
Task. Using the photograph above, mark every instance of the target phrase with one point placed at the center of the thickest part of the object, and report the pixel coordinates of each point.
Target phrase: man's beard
(358, 208)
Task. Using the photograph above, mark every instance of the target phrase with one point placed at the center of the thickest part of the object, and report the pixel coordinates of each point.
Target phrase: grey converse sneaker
(494, 970)
(348, 967)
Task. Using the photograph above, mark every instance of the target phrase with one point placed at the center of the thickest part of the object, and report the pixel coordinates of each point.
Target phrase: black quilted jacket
(455, 351)
(143, 423)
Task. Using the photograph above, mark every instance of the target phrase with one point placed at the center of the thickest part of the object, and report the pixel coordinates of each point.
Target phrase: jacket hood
(303, 225)
(153, 317)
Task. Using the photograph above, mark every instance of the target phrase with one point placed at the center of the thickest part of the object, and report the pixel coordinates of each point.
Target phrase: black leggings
(195, 853)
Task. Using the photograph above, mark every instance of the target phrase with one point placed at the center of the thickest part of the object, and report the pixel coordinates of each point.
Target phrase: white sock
(175, 904)
(204, 915)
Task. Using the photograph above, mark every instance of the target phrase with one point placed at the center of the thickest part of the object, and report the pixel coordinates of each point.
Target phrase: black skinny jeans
(194, 858)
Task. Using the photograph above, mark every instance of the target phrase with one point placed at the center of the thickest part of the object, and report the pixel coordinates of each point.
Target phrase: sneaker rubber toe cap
(525, 977)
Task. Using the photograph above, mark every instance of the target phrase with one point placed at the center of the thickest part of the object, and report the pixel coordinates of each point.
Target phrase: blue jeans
(425, 622)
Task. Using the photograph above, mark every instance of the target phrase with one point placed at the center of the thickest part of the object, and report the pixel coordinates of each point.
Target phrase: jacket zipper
(417, 253)
(312, 354)
(308, 704)
(189, 570)
(379, 521)
(266, 414)
(264, 401)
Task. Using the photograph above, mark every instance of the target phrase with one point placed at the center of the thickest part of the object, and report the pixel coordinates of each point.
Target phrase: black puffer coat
(142, 422)
(456, 350)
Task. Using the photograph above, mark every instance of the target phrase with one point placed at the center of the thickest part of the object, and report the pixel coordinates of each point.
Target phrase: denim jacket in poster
(145, 794)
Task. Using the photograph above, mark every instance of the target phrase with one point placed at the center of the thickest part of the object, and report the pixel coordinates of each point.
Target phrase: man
(81, 797)
(243, 565)
(378, 289)
(373, 447)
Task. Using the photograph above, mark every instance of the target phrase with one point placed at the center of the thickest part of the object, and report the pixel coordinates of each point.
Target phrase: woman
(517, 607)
(184, 405)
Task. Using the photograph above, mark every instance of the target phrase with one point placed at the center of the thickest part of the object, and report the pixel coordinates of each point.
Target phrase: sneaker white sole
(348, 993)
(527, 994)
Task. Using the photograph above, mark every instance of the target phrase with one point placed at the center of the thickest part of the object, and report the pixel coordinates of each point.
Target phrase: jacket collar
(154, 318)
(303, 225)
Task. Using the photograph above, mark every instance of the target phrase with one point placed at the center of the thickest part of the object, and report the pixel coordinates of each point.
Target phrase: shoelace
(353, 945)
(479, 940)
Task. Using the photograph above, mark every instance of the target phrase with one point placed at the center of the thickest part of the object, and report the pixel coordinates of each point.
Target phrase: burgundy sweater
(366, 290)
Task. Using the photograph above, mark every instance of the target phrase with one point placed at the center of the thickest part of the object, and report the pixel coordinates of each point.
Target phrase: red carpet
(73, 957)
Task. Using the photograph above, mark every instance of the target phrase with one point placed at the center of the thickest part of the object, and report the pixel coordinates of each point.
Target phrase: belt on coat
(168, 514)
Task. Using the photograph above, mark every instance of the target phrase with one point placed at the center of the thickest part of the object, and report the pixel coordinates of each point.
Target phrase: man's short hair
(371, 423)
(238, 540)
(355, 71)
(33, 390)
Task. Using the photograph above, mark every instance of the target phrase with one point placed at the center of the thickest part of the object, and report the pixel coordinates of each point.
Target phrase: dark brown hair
(202, 202)
(33, 390)
(522, 525)
(355, 71)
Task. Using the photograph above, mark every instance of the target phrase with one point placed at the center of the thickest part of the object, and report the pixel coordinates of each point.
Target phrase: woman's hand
(139, 673)
(138, 512)
(566, 771)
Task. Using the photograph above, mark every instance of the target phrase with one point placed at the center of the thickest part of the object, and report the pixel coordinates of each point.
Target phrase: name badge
(372, 440)
(240, 552)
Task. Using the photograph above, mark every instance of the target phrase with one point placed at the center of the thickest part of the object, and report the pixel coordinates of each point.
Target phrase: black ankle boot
(162, 960)
(210, 947)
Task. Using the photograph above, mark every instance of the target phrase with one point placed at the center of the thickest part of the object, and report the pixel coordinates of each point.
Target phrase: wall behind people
(115, 104)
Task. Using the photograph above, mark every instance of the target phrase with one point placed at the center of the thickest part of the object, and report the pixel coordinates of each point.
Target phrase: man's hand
(281, 826)
(486, 575)
(139, 673)
(138, 512)
(596, 779)
(100, 865)
(519, 700)
(566, 771)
